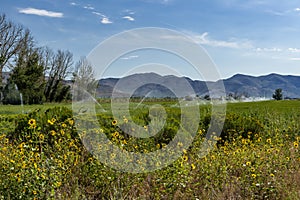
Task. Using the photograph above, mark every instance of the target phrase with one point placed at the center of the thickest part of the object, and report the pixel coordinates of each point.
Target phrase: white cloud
(294, 50)
(99, 14)
(297, 9)
(268, 49)
(295, 59)
(276, 13)
(130, 12)
(89, 7)
(205, 40)
(105, 20)
(128, 18)
(129, 57)
(40, 12)
(74, 4)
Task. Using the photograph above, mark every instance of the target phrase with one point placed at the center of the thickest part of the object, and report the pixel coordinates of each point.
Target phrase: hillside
(154, 85)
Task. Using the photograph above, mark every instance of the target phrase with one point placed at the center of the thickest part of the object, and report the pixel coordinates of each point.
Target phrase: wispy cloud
(294, 50)
(295, 59)
(288, 51)
(277, 13)
(99, 14)
(89, 7)
(129, 57)
(206, 40)
(128, 18)
(274, 49)
(276, 53)
(106, 20)
(297, 9)
(40, 12)
(129, 12)
(74, 4)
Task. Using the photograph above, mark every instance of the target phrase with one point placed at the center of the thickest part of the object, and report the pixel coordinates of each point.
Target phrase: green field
(255, 157)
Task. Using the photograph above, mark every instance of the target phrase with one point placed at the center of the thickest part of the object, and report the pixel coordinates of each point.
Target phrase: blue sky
(252, 37)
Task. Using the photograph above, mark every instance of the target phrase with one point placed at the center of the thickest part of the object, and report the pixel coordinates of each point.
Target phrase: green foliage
(11, 94)
(237, 125)
(28, 75)
(257, 156)
(47, 121)
(207, 97)
(39, 154)
(63, 93)
(277, 94)
(30, 65)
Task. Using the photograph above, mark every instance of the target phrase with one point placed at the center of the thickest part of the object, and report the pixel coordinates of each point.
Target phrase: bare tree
(60, 67)
(11, 40)
(46, 58)
(84, 79)
(25, 50)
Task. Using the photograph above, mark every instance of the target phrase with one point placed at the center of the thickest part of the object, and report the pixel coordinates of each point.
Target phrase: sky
(253, 37)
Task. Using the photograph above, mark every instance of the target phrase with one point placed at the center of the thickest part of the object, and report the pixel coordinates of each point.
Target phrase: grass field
(255, 157)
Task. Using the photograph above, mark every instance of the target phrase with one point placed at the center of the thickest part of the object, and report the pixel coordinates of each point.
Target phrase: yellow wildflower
(146, 128)
(115, 134)
(193, 166)
(185, 158)
(52, 132)
(71, 121)
(32, 123)
(42, 137)
(114, 122)
(296, 144)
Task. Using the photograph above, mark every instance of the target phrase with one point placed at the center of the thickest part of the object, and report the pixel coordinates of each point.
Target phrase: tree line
(37, 73)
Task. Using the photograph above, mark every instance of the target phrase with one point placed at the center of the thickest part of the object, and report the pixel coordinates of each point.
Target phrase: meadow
(255, 157)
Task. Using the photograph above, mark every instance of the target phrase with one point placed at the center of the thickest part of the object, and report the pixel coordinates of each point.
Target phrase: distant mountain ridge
(154, 85)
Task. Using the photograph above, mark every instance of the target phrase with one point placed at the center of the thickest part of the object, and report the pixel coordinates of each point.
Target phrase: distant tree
(207, 97)
(188, 98)
(84, 79)
(278, 94)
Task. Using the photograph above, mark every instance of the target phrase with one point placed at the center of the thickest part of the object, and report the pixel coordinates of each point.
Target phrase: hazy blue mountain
(154, 85)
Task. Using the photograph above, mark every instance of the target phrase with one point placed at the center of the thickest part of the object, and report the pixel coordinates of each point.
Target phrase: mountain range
(154, 85)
